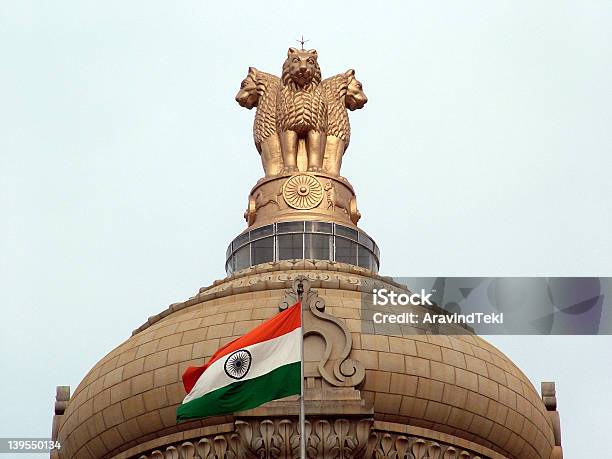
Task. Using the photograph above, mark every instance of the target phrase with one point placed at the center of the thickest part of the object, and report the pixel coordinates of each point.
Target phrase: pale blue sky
(125, 165)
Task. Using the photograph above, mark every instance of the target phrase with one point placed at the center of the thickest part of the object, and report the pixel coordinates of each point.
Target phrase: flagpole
(300, 291)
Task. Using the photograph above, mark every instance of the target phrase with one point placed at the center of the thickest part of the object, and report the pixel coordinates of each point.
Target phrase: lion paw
(289, 169)
(314, 169)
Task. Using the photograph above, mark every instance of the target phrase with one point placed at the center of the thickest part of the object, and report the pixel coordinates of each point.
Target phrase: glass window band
(302, 240)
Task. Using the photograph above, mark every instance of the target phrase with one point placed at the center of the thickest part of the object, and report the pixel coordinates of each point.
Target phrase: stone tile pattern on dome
(453, 384)
(459, 385)
(137, 387)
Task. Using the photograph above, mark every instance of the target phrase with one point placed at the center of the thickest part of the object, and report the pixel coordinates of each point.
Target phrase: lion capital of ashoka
(300, 112)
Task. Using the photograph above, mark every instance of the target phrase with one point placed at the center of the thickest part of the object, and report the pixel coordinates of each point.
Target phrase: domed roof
(459, 386)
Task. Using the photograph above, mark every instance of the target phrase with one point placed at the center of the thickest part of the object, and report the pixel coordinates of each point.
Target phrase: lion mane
(301, 109)
(335, 89)
(287, 81)
(264, 125)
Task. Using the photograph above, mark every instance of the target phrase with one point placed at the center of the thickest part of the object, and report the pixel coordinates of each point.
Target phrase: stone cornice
(279, 276)
(341, 437)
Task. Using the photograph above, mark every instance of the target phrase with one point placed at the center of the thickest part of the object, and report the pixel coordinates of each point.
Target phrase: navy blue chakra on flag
(237, 365)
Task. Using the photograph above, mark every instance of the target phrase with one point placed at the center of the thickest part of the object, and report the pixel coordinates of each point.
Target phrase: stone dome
(459, 390)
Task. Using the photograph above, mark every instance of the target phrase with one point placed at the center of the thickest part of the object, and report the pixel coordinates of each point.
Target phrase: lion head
(301, 68)
(248, 96)
(355, 97)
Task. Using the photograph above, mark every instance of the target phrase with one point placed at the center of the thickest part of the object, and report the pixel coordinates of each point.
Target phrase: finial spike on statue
(302, 42)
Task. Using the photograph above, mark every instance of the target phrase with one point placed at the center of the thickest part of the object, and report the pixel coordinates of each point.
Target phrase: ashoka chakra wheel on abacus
(303, 192)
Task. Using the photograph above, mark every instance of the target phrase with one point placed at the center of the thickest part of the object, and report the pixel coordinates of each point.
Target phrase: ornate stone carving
(327, 438)
(266, 205)
(333, 202)
(259, 200)
(281, 275)
(334, 364)
(303, 192)
(332, 199)
(397, 446)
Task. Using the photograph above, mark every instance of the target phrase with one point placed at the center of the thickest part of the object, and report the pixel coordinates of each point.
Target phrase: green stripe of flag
(243, 395)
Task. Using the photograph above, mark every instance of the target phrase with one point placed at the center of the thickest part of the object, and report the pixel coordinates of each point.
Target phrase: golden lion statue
(260, 89)
(341, 91)
(301, 113)
(301, 123)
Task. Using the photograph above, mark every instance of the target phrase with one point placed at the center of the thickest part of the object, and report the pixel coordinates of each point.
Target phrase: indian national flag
(260, 366)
